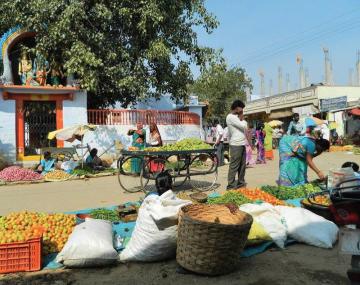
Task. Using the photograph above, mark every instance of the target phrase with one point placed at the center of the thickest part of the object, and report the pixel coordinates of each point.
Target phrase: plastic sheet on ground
(125, 230)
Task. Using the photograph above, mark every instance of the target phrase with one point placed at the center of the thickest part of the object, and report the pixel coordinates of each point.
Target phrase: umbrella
(275, 123)
(71, 134)
(312, 122)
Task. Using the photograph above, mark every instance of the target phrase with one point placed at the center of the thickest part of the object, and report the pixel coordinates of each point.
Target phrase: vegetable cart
(187, 165)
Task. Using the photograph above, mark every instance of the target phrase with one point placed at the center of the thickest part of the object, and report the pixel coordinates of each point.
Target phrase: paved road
(99, 192)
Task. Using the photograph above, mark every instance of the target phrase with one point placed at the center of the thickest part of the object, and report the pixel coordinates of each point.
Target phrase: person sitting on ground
(93, 160)
(47, 164)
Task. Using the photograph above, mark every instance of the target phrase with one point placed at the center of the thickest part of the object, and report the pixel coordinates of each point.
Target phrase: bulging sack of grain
(90, 244)
(155, 233)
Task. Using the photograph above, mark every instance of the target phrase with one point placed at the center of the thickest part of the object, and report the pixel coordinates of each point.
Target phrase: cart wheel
(127, 180)
(151, 168)
(179, 170)
(203, 172)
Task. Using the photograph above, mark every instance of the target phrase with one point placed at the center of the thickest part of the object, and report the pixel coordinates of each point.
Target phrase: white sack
(271, 220)
(155, 233)
(307, 227)
(90, 244)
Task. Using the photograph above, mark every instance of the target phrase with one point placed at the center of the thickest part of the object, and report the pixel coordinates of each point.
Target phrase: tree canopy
(122, 50)
(219, 86)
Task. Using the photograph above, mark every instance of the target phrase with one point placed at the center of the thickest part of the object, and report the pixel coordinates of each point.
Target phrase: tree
(122, 50)
(219, 86)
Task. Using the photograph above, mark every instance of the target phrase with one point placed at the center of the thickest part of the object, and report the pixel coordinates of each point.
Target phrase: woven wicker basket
(211, 238)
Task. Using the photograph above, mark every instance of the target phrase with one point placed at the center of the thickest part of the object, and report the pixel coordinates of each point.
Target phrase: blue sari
(293, 164)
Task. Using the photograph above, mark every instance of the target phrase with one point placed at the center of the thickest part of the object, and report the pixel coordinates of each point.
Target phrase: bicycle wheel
(203, 172)
(128, 181)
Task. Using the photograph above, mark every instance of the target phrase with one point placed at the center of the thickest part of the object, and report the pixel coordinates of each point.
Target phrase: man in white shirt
(219, 142)
(237, 127)
(325, 131)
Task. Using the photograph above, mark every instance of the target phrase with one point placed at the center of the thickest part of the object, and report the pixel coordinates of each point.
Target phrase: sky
(265, 34)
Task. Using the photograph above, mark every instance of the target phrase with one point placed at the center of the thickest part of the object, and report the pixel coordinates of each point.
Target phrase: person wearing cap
(297, 153)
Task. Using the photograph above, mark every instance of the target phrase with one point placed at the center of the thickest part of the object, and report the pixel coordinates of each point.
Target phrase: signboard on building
(193, 100)
(327, 105)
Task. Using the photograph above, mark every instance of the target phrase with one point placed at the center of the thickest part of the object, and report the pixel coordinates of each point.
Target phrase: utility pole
(270, 87)
(280, 79)
(327, 66)
(262, 84)
(299, 61)
(288, 87)
(357, 83)
(307, 80)
(351, 77)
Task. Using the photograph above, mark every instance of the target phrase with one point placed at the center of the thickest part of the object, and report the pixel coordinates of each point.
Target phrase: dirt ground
(100, 192)
(297, 264)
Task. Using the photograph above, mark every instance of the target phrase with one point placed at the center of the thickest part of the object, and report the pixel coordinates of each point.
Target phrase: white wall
(75, 111)
(104, 136)
(7, 129)
(327, 92)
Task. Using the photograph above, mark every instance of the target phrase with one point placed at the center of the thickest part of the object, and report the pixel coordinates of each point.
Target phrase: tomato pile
(21, 226)
(257, 194)
(16, 173)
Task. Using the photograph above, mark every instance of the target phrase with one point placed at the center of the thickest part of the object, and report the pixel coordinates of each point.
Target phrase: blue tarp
(125, 230)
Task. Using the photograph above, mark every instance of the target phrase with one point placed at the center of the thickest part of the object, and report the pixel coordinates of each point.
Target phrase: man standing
(296, 127)
(237, 127)
(219, 142)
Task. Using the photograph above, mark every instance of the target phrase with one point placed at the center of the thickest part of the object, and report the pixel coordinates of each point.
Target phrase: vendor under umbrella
(47, 164)
(93, 160)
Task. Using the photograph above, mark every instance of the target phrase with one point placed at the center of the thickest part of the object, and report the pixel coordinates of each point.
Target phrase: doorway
(39, 120)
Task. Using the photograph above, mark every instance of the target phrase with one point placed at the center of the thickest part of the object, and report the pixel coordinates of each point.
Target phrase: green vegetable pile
(230, 198)
(89, 170)
(105, 214)
(185, 144)
(286, 193)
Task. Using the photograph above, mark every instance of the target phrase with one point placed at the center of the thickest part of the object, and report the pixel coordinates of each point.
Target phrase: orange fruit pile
(257, 194)
(22, 226)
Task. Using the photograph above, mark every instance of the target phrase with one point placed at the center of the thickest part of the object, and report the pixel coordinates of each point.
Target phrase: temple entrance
(39, 120)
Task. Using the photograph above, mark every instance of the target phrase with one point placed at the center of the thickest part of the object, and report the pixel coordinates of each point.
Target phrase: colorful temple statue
(41, 69)
(25, 68)
(56, 74)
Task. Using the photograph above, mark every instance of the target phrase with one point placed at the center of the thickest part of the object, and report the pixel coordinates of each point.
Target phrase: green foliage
(286, 193)
(122, 50)
(219, 86)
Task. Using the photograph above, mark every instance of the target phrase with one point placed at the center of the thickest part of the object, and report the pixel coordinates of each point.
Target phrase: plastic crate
(20, 256)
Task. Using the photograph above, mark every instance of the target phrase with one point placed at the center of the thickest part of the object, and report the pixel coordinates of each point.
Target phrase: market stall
(187, 160)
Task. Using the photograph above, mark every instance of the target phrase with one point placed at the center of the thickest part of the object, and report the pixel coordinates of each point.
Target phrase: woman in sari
(260, 138)
(248, 147)
(138, 141)
(155, 141)
(268, 142)
(296, 154)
